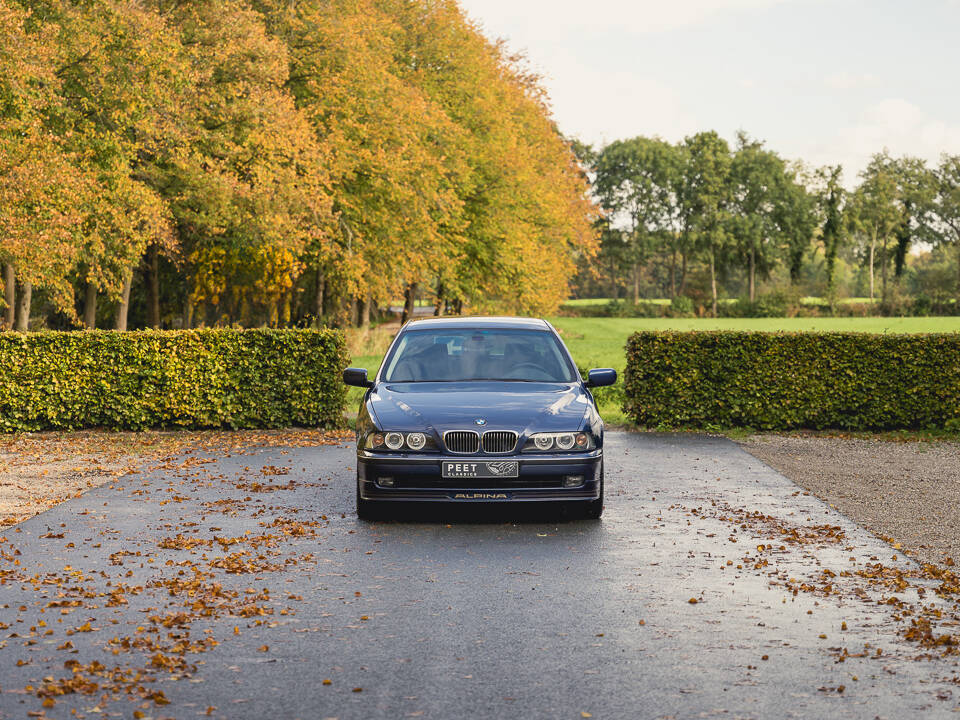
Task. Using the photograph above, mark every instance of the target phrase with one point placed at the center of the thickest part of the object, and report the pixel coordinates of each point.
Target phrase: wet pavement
(245, 587)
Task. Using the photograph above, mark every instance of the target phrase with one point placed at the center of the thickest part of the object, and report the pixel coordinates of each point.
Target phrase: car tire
(594, 508)
(367, 509)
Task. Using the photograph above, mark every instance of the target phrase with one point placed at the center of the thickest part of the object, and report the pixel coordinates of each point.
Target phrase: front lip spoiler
(513, 496)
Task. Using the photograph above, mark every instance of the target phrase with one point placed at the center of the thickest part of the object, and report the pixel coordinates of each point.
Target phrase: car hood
(522, 406)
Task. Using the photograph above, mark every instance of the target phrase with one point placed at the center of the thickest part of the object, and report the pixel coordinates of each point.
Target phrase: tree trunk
(153, 286)
(713, 280)
(636, 283)
(438, 305)
(883, 271)
(683, 272)
(363, 308)
(123, 308)
(365, 312)
(24, 298)
(873, 245)
(410, 299)
(188, 312)
(956, 309)
(273, 313)
(90, 307)
(673, 275)
(318, 298)
(9, 296)
(753, 273)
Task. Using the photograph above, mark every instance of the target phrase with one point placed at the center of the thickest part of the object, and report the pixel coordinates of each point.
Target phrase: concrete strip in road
(535, 618)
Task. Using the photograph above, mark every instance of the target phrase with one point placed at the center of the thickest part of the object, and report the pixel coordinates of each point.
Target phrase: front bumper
(418, 478)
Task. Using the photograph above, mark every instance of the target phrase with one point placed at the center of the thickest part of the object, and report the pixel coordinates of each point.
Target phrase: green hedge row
(156, 379)
(775, 381)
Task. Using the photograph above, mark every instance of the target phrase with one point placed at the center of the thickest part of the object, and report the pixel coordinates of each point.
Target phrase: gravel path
(907, 491)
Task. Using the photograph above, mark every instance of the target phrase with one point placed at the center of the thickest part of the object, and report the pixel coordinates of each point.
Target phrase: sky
(825, 81)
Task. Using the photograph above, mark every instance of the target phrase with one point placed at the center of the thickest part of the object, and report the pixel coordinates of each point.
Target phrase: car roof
(460, 323)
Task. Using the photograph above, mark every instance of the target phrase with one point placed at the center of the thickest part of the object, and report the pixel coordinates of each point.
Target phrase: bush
(607, 395)
(616, 308)
(776, 381)
(190, 379)
(773, 305)
(681, 307)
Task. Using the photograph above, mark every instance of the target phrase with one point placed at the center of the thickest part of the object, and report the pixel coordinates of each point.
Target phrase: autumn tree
(41, 189)
(246, 181)
(394, 157)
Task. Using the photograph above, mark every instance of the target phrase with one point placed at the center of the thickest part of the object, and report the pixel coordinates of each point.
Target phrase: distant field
(598, 342)
(586, 302)
(604, 338)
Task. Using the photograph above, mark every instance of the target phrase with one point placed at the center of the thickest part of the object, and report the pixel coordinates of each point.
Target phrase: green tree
(831, 197)
(759, 183)
(916, 186)
(945, 208)
(796, 219)
(705, 199)
(634, 183)
(877, 213)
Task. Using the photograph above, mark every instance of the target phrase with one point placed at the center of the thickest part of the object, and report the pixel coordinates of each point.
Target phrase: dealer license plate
(480, 469)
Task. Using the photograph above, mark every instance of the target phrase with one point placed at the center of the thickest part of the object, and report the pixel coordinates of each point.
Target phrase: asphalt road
(318, 615)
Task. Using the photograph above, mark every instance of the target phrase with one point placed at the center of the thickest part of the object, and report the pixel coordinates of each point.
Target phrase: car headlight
(398, 441)
(562, 442)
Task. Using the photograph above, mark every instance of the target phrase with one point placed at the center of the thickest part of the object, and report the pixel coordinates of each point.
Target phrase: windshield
(463, 354)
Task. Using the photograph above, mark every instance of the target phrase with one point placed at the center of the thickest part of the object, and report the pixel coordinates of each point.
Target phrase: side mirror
(601, 377)
(357, 377)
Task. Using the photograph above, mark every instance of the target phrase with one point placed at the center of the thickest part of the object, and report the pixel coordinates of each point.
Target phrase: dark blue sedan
(479, 411)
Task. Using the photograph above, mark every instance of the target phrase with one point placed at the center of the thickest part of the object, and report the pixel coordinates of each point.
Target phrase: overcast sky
(828, 81)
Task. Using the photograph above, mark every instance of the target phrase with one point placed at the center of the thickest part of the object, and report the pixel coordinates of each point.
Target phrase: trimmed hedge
(157, 379)
(776, 381)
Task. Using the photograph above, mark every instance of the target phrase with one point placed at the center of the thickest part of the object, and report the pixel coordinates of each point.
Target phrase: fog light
(386, 482)
(573, 481)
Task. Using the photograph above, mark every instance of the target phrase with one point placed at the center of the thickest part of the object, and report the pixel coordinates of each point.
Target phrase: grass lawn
(587, 302)
(599, 342)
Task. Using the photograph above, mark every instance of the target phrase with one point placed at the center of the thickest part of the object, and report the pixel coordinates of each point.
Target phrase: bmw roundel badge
(480, 421)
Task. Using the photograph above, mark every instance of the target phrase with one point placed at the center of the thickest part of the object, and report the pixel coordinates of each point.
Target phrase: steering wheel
(528, 365)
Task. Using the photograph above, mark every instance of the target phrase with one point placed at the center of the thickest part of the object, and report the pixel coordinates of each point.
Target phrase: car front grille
(499, 441)
(462, 441)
